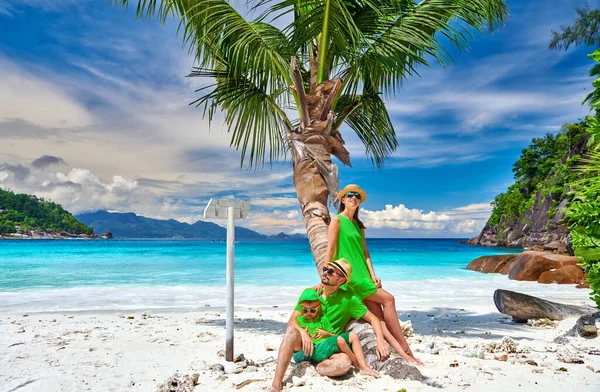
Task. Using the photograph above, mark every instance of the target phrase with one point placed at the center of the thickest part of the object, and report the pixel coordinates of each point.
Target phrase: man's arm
(307, 344)
(382, 349)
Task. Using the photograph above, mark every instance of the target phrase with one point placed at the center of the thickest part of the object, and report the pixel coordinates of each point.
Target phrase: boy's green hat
(309, 295)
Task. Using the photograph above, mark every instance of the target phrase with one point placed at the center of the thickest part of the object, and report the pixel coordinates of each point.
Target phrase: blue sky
(106, 96)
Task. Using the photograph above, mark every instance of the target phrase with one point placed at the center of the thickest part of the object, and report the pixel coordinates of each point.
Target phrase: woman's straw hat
(352, 188)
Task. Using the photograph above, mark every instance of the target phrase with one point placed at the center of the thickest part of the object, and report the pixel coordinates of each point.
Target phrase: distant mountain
(283, 236)
(130, 225)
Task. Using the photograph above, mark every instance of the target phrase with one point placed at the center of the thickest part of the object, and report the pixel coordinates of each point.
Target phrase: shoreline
(121, 298)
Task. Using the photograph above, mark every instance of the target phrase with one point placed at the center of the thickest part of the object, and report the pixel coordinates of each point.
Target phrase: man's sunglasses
(310, 310)
(330, 271)
(355, 194)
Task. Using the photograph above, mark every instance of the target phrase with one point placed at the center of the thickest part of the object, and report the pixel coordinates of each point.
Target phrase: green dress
(350, 247)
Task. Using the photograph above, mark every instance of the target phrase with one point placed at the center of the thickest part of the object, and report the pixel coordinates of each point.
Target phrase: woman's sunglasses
(310, 310)
(355, 194)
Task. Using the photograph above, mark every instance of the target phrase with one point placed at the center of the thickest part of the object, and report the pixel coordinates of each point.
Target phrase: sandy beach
(454, 335)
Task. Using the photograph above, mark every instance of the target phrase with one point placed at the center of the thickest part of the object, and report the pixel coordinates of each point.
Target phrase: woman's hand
(318, 287)
(383, 351)
(377, 282)
(321, 333)
(307, 344)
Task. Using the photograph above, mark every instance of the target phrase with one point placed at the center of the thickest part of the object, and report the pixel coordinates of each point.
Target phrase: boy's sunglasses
(330, 271)
(309, 310)
(355, 194)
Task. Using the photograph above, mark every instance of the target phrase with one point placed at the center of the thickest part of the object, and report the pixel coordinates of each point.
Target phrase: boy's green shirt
(313, 325)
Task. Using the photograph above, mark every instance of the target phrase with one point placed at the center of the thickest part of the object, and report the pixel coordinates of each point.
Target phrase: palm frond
(413, 34)
(367, 116)
(161, 9)
(256, 122)
(309, 17)
(212, 28)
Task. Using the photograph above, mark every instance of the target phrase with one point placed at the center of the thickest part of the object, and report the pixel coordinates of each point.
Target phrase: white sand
(101, 351)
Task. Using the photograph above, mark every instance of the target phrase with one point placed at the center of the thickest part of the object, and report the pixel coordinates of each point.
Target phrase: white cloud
(27, 97)
(395, 220)
(276, 202)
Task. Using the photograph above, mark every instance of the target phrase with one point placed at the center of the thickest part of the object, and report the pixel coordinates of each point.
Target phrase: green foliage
(541, 159)
(584, 211)
(584, 31)
(539, 169)
(29, 212)
(373, 46)
(508, 205)
(593, 98)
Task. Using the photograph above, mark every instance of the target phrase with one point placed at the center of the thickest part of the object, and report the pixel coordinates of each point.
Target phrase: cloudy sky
(94, 115)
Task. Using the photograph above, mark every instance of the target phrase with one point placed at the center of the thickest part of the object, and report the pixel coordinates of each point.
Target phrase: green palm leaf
(367, 117)
(256, 122)
(413, 34)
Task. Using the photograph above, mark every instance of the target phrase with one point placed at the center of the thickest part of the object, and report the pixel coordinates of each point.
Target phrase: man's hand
(377, 282)
(383, 351)
(307, 344)
(318, 287)
(321, 333)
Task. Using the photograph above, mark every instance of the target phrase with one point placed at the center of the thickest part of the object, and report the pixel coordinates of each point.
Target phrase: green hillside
(20, 212)
(545, 166)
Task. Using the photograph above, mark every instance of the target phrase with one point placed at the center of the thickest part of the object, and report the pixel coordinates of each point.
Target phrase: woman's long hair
(355, 217)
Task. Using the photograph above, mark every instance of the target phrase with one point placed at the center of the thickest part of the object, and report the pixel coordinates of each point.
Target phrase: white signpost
(230, 210)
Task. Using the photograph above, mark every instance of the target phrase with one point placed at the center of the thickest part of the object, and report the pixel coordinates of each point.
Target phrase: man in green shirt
(339, 306)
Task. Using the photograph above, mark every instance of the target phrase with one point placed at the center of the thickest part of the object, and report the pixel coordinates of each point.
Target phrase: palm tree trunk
(312, 192)
(316, 179)
(395, 366)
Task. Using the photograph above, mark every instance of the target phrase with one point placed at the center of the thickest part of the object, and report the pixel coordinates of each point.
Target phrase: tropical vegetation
(19, 212)
(292, 78)
(544, 166)
(584, 211)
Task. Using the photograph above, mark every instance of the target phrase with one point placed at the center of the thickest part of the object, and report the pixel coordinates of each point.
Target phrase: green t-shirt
(339, 308)
(313, 325)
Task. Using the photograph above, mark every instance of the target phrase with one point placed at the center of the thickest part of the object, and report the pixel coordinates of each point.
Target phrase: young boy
(327, 344)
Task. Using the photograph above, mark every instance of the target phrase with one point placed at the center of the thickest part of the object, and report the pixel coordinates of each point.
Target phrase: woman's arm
(332, 238)
(376, 280)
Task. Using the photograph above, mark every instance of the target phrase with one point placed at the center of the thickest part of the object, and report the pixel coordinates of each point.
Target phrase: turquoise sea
(39, 275)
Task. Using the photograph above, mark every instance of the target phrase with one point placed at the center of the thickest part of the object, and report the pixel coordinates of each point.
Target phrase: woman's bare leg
(376, 309)
(374, 303)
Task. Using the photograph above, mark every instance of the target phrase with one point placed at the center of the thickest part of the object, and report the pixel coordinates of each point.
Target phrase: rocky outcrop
(532, 266)
(43, 235)
(569, 274)
(537, 227)
(541, 225)
(500, 264)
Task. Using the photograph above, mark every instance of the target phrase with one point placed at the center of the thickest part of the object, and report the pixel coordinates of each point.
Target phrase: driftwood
(523, 307)
(395, 366)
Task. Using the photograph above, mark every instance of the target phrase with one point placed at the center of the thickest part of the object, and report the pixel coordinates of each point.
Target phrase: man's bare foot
(368, 371)
(273, 389)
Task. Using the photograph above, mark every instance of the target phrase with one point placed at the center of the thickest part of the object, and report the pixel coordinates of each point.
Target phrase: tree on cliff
(332, 64)
(584, 211)
(584, 31)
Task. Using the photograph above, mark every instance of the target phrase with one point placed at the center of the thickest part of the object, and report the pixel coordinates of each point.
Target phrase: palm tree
(292, 89)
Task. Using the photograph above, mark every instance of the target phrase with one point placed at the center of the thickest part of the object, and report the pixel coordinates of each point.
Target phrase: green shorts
(322, 350)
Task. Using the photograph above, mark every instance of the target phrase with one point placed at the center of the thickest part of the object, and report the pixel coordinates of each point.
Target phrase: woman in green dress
(346, 239)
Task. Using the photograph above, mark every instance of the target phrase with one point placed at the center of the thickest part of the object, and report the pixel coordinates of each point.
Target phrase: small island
(25, 216)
